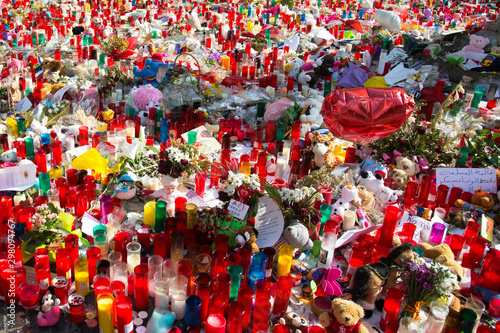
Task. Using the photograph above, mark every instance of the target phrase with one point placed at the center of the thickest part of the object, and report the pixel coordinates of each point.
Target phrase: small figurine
(49, 306)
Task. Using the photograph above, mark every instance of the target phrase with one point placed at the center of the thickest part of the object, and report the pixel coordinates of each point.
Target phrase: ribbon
(414, 309)
(421, 163)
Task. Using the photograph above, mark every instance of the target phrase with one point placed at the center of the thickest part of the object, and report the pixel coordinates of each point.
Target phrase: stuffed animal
(476, 44)
(53, 88)
(384, 196)
(388, 19)
(49, 306)
(480, 201)
(51, 69)
(247, 237)
(323, 150)
(297, 235)
(372, 166)
(321, 68)
(442, 253)
(294, 322)
(407, 165)
(312, 115)
(349, 193)
(400, 177)
(65, 132)
(344, 317)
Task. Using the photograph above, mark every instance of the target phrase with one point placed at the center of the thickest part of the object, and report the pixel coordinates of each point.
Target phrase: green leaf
(29, 235)
(253, 204)
(52, 208)
(85, 242)
(32, 245)
(273, 193)
(153, 149)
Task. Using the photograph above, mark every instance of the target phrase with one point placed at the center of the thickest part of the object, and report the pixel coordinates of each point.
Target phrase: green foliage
(291, 115)
(484, 151)
(289, 3)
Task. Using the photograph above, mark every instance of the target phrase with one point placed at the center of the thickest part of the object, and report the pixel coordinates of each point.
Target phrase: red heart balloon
(363, 115)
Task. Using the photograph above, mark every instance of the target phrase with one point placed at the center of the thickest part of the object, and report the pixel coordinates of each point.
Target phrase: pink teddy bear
(477, 44)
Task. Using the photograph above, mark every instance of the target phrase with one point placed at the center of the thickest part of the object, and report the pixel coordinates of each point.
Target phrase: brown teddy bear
(344, 317)
(400, 177)
(51, 68)
(480, 201)
(247, 237)
(322, 67)
(442, 253)
(294, 322)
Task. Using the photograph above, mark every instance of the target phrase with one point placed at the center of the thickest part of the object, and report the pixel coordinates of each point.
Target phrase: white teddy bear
(384, 196)
(349, 193)
(315, 102)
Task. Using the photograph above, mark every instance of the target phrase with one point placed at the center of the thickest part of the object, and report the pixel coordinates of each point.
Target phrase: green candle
(235, 271)
(462, 159)
(30, 149)
(44, 181)
(160, 216)
(192, 137)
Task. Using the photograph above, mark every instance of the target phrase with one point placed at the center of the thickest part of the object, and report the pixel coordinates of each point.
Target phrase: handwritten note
(424, 226)
(268, 222)
(468, 179)
(237, 209)
(23, 105)
(195, 199)
(58, 96)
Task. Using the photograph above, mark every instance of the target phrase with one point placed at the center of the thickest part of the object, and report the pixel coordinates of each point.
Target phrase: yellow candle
(149, 213)
(105, 312)
(285, 259)
(191, 210)
(245, 167)
(225, 61)
(81, 276)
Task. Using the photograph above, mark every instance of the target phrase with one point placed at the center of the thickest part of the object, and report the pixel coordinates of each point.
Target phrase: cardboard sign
(487, 226)
(269, 222)
(238, 209)
(468, 179)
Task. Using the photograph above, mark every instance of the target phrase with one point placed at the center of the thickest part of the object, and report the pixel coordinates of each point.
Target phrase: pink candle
(215, 324)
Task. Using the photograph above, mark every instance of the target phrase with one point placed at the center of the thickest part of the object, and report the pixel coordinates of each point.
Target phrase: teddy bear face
(483, 200)
(408, 166)
(346, 312)
(479, 41)
(400, 177)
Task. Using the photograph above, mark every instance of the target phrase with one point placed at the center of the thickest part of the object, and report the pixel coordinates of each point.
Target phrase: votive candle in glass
(388, 227)
(149, 213)
(283, 292)
(160, 244)
(185, 268)
(76, 303)
(121, 241)
(161, 294)
(177, 248)
(410, 193)
(133, 255)
(141, 292)
(71, 243)
(392, 306)
(202, 289)
(143, 237)
(235, 271)
(193, 307)
(222, 242)
(235, 317)
(285, 259)
(260, 317)
(105, 312)
(124, 317)
(60, 284)
(93, 255)
(258, 268)
(81, 276)
(63, 264)
(101, 284)
(216, 323)
(442, 194)
(160, 215)
(29, 293)
(222, 284)
(179, 304)
(437, 316)
(154, 266)
(245, 297)
(243, 258)
(455, 194)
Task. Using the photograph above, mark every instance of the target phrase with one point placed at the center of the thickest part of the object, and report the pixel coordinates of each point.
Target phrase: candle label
(129, 328)
(83, 286)
(44, 284)
(269, 273)
(323, 256)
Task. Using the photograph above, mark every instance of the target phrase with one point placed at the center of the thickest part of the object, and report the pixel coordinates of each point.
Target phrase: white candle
(280, 165)
(305, 91)
(281, 79)
(349, 219)
(179, 304)
(161, 300)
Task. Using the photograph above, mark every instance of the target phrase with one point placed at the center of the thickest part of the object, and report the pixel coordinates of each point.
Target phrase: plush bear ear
(361, 313)
(487, 41)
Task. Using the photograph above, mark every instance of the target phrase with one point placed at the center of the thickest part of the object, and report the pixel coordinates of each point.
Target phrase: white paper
(195, 199)
(398, 73)
(23, 105)
(88, 223)
(209, 145)
(18, 178)
(468, 179)
(424, 226)
(58, 96)
(351, 235)
(238, 209)
(268, 222)
(292, 42)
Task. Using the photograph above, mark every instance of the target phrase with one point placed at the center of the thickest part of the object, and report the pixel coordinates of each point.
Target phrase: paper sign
(268, 222)
(18, 178)
(238, 209)
(88, 223)
(208, 143)
(351, 235)
(424, 226)
(23, 105)
(487, 225)
(468, 179)
(58, 96)
(195, 199)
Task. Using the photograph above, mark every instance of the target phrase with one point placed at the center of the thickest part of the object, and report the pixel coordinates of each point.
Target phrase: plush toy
(247, 237)
(312, 115)
(372, 166)
(400, 177)
(321, 68)
(349, 193)
(65, 132)
(480, 201)
(384, 196)
(294, 322)
(145, 97)
(344, 317)
(51, 69)
(407, 165)
(297, 235)
(49, 306)
(53, 88)
(323, 150)
(476, 44)
(442, 253)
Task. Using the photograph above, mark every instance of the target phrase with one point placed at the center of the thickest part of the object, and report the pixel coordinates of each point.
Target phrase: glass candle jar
(161, 294)
(185, 268)
(121, 241)
(392, 306)
(160, 215)
(71, 243)
(160, 244)
(42, 256)
(260, 318)
(235, 271)
(63, 264)
(191, 210)
(285, 259)
(217, 304)
(101, 242)
(437, 316)
(133, 255)
(177, 249)
(193, 307)
(245, 297)
(42, 277)
(60, 284)
(258, 268)
(93, 255)
(203, 262)
(154, 265)
(149, 213)
(76, 308)
(215, 324)
(105, 312)
(28, 294)
(141, 292)
(202, 289)
(124, 318)
(179, 304)
(235, 317)
(222, 284)
(243, 258)
(101, 284)
(81, 276)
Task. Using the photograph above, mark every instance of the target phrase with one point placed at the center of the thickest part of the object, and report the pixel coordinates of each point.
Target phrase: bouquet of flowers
(241, 187)
(297, 204)
(424, 282)
(52, 112)
(208, 219)
(115, 43)
(46, 227)
(181, 158)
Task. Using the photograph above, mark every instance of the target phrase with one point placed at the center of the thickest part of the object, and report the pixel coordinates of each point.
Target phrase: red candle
(392, 306)
(181, 219)
(160, 244)
(222, 284)
(42, 256)
(222, 242)
(283, 293)
(217, 304)
(41, 161)
(455, 194)
(143, 237)
(244, 71)
(60, 284)
(200, 181)
(261, 315)
(43, 277)
(202, 289)
(56, 153)
(456, 244)
(76, 308)
(63, 263)
(271, 129)
(101, 285)
(235, 317)
(124, 318)
(185, 268)
(225, 158)
(245, 297)
(141, 292)
(291, 83)
(388, 227)
(442, 194)
(471, 232)
(10, 283)
(81, 203)
(218, 262)
(84, 135)
(71, 243)
(121, 241)
(492, 275)
(243, 258)
(411, 191)
(215, 324)
(424, 189)
(252, 72)
(93, 256)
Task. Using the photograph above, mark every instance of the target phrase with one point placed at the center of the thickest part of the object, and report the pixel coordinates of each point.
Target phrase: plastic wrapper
(363, 115)
(353, 77)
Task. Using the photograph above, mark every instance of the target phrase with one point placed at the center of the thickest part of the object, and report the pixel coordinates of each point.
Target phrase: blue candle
(258, 268)
(164, 130)
(193, 306)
